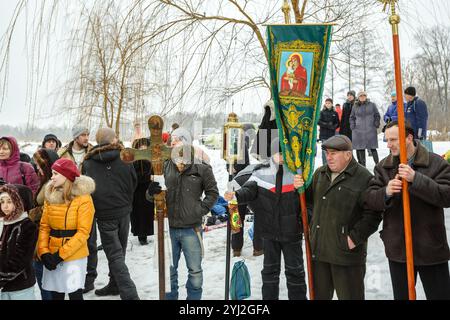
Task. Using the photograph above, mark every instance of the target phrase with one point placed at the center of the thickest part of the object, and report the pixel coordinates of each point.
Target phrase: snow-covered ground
(140, 259)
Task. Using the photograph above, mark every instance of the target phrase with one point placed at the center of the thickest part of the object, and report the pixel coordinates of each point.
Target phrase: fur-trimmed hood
(104, 152)
(83, 185)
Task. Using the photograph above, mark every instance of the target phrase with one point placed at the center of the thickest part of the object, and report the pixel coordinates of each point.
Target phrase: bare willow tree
(110, 58)
(127, 58)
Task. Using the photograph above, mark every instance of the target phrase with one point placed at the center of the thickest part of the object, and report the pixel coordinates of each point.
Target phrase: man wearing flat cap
(340, 225)
(77, 149)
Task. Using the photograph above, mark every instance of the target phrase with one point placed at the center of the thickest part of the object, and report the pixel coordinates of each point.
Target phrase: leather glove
(153, 188)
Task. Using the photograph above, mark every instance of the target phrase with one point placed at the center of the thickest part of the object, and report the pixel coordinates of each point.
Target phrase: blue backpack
(240, 282)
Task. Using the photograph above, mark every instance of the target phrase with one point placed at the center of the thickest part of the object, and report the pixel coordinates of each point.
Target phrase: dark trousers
(435, 280)
(294, 269)
(38, 270)
(237, 239)
(114, 236)
(92, 258)
(348, 281)
(77, 295)
(361, 155)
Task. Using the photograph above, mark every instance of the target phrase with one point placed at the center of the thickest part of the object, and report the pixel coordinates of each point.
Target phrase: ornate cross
(156, 154)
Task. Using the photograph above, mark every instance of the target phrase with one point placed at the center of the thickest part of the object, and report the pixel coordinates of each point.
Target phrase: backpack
(240, 282)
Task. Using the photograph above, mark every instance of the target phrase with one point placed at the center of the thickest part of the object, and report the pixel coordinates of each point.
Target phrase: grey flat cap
(338, 142)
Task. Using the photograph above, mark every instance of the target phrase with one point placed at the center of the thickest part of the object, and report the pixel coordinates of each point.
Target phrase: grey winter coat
(364, 121)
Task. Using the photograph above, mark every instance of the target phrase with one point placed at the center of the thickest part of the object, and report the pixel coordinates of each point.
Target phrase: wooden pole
(394, 20)
(305, 224)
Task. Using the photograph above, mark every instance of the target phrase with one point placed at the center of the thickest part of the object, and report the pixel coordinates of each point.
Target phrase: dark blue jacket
(391, 113)
(416, 113)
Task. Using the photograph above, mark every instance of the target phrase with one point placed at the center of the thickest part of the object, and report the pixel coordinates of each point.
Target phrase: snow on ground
(140, 259)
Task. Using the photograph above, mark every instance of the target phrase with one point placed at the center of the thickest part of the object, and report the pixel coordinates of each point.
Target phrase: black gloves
(153, 188)
(50, 261)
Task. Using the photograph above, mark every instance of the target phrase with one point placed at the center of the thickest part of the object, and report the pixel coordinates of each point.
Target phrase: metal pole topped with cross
(156, 154)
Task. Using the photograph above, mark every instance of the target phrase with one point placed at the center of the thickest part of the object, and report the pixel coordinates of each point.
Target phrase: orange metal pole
(394, 20)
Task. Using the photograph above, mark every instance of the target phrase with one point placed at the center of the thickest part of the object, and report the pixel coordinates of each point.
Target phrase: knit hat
(20, 195)
(393, 94)
(362, 93)
(105, 136)
(49, 137)
(78, 131)
(67, 168)
(183, 135)
(352, 93)
(410, 91)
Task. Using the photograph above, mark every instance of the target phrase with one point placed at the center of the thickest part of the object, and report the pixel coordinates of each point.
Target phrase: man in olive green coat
(340, 226)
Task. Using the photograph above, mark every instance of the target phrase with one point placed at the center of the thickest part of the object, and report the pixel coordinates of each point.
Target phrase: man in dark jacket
(346, 111)
(416, 112)
(340, 226)
(328, 123)
(271, 195)
(186, 180)
(113, 199)
(428, 176)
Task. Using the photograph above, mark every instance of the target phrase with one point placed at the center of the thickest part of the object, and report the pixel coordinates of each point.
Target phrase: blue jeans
(25, 294)
(39, 269)
(186, 240)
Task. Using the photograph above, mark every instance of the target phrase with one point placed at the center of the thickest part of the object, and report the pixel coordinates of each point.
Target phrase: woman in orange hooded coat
(64, 230)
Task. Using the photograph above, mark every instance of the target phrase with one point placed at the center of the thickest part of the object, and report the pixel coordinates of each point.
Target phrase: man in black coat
(113, 199)
(346, 111)
(428, 176)
(270, 193)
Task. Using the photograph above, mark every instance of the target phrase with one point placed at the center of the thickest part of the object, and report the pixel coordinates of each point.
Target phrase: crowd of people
(54, 207)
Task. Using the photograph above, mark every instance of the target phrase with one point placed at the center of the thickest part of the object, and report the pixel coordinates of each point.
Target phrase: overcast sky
(413, 14)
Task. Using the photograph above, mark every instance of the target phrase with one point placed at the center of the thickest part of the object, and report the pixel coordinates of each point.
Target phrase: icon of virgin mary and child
(295, 79)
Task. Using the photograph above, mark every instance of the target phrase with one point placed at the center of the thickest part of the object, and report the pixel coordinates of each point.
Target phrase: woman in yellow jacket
(64, 230)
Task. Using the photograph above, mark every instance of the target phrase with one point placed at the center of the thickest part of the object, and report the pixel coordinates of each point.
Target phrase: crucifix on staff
(156, 154)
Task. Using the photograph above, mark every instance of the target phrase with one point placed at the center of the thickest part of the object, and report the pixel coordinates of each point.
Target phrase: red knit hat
(67, 168)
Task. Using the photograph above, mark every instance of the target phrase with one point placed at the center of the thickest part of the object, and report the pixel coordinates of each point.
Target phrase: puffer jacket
(15, 171)
(76, 215)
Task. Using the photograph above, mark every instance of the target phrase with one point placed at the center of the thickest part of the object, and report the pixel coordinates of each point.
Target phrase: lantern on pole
(233, 152)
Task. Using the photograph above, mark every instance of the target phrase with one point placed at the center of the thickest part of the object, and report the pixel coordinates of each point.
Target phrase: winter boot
(143, 240)
(109, 290)
(88, 286)
(236, 253)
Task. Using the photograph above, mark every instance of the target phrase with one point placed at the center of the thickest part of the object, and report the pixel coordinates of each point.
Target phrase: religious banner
(298, 57)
